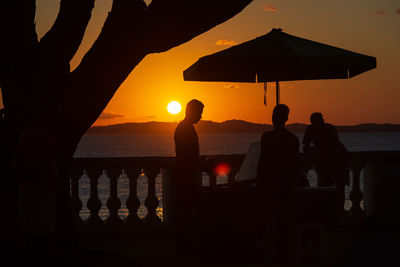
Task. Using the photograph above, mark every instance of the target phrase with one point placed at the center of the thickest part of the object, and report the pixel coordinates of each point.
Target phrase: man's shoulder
(184, 131)
(330, 128)
(183, 126)
(291, 136)
(285, 134)
(328, 125)
(310, 129)
(267, 134)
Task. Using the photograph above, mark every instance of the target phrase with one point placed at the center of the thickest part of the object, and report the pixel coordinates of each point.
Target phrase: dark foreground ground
(345, 245)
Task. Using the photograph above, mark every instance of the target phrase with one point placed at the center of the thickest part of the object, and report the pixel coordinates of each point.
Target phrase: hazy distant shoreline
(230, 126)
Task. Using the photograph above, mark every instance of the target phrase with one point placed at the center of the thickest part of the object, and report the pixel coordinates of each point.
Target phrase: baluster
(113, 202)
(133, 202)
(210, 170)
(355, 194)
(76, 203)
(151, 202)
(94, 203)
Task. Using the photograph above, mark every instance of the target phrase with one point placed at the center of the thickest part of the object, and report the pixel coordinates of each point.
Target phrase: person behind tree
(328, 153)
(278, 172)
(187, 172)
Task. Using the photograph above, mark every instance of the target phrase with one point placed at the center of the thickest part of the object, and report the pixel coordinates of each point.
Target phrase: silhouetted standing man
(186, 176)
(329, 153)
(277, 174)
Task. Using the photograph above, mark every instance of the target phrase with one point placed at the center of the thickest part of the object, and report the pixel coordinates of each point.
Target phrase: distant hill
(230, 126)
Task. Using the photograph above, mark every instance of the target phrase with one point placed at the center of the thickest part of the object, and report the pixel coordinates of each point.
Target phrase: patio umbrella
(278, 56)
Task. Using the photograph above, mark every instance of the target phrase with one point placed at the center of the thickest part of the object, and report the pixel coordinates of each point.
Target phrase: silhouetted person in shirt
(329, 154)
(277, 174)
(187, 172)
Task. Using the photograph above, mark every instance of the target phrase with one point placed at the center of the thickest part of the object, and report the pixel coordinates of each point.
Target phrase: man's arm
(307, 148)
(295, 154)
(184, 148)
(261, 162)
(307, 140)
(334, 131)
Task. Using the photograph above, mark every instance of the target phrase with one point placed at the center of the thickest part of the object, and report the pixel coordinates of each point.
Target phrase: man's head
(280, 115)
(194, 109)
(316, 118)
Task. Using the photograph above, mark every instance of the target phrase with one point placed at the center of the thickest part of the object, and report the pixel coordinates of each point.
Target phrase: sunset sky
(370, 27)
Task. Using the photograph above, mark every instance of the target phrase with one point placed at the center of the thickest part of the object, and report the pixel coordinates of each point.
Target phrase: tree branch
(176, 22)
(17, 31)
(62, 41)
(132, 31)
(114, 55)
(17, 47)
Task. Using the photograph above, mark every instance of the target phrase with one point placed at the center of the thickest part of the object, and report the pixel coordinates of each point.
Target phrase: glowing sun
(174, 107)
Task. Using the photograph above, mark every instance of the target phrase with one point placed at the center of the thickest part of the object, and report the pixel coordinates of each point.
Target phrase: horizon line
(176, 122)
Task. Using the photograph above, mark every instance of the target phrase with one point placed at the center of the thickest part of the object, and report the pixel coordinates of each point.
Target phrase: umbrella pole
(265, 94)
(277, 93)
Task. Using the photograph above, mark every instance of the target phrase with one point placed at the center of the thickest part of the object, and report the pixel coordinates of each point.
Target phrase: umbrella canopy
(278, 56)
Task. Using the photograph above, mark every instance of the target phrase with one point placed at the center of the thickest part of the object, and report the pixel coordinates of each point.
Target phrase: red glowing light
(222, 169)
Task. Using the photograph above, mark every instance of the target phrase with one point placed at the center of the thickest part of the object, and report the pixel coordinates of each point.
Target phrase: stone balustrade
(113, 168)
(151, 167)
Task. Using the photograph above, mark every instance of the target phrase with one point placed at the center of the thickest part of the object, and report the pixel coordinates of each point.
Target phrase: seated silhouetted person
(328, 153)
(187, 172)
(277, 174)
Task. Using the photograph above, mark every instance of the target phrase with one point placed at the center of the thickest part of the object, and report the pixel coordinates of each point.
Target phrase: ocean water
(140, 145)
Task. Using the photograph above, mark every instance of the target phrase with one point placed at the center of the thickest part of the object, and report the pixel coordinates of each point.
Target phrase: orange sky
(366, 26)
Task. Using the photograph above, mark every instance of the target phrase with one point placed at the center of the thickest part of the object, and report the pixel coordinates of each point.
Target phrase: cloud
(398, 11)
(225, 42)
(231, 86)
(146, 117)
(110, 115)
(380, 12)
(269, 7)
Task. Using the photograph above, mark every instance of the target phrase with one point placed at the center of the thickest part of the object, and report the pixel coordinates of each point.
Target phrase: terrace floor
(346, 245)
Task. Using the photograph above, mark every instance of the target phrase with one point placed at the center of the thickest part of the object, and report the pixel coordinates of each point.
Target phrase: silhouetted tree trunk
(37, 83)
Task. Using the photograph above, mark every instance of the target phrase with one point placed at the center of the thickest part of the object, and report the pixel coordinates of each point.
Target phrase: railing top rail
(145, 162)
(123, 162)
(165, 162)
(210, 161)
(374, 156)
